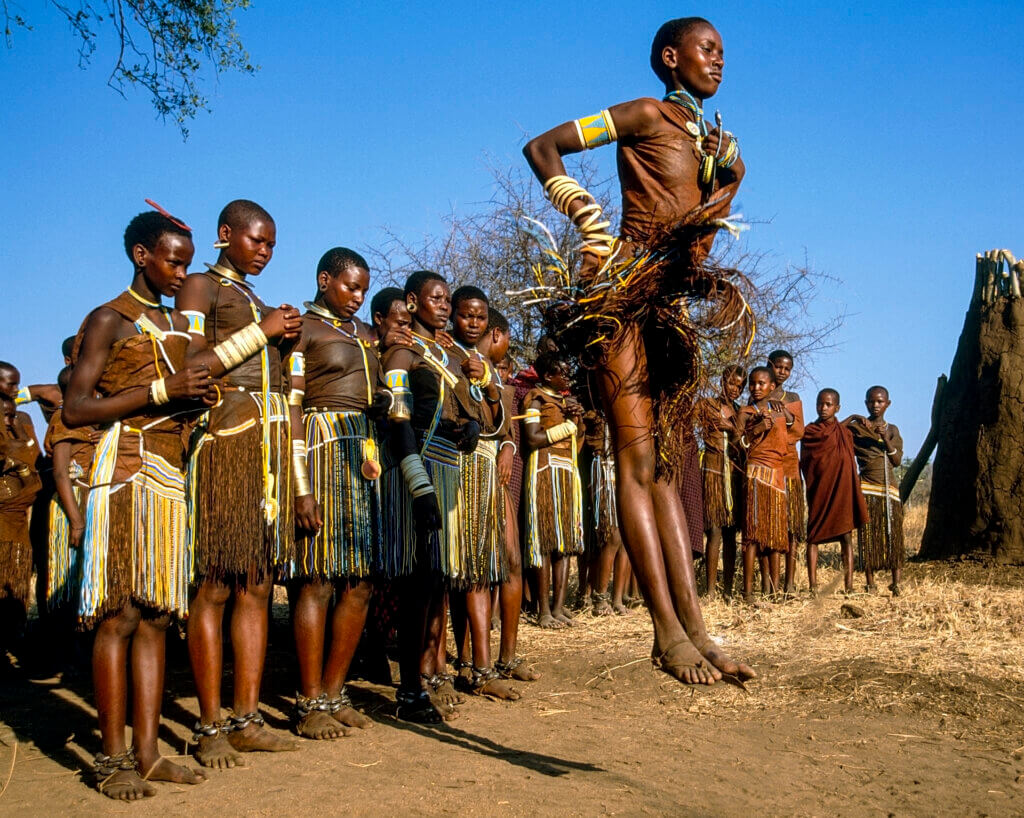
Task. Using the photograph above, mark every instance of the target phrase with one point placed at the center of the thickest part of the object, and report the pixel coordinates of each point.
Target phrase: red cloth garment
(835, 505)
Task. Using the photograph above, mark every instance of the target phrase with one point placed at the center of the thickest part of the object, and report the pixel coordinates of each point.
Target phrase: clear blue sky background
(882, 140)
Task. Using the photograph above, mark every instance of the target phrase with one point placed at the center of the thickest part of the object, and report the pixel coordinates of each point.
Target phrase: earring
(410, 306)
(220, 245)
(323, 288)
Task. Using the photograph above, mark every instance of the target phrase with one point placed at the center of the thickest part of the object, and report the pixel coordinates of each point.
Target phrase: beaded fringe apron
(239, 491)
(348, 544)
(554, 511)
(135, 546)
(483, 528)
(440, 552)
(65, 562)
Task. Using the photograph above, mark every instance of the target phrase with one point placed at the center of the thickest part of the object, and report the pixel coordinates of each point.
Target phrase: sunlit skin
(723, 541)
(9, 382)
(159, 272)
(396, 319)
(653, 521)
(310, 598)
(250, 247)
(782, 366)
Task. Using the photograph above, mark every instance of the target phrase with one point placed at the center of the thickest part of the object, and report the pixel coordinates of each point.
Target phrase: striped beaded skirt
(880, 539)
(483, 517)
(64, 575)
(135, 546)
(554, 507)
(604, 505)
(348, 544)
(440, 550)
(765, 524)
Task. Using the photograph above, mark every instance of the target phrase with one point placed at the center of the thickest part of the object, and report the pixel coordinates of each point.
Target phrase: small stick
(10, 772)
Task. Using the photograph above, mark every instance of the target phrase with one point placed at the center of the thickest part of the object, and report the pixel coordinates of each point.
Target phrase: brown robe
(19, 484)
(835, 505)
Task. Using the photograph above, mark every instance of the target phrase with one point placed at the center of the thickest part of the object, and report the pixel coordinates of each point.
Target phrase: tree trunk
(977, 497)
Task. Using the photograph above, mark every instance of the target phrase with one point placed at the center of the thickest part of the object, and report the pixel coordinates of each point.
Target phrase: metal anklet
(343, 699)
(483, 675)
(215, 728)
(105, 766)
(239, 723)
(506, 668)
(304, 705)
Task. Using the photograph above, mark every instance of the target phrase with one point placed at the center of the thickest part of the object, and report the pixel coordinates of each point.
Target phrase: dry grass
(950, 643)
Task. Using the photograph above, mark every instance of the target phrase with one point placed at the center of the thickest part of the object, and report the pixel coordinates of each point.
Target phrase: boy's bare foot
(894, 589)
(213, 747)
(320, 725)
(117, 778)
(250, 735)
(682, 661)
(516, 669)
(163, 769)
(442, 691)
(619, 609)
(564, 617)
(548, 622)
(417, 708)
(718, 659)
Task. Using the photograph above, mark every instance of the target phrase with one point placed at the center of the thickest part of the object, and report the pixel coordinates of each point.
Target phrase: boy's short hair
(734, 371)
(147, 228)
(241, 213)
(467, 292)
(381, 302)
(495, 320)
(873, 388)
(778, 353)
(671, 33)
(828, 390)
(64, 378)
(67, 346)
(338, 259)
(414, 283)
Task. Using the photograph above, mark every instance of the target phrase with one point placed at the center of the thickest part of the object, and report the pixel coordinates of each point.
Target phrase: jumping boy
(674, 169)
(240, 480)
(879, 449)
(781, 363)
(763, 433)
(835, 505)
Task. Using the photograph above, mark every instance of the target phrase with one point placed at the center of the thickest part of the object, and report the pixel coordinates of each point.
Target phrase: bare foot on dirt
(445, 694)
(548, 622)
(125, 785)
(619, 609)
(718, 658)
(563, 617)
(319, 725)
(215, 751)
(351, 717)
(516, 669)
(490, 684)
(682, 661)
(163, 769)
(256, 738)
(602, 606)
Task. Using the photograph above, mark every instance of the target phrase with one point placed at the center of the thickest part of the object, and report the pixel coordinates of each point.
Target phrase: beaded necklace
(229, 274)
(335, 323)
(475, 387)
(439, 364)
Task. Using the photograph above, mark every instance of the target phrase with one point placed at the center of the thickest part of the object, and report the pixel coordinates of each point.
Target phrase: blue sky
(883, 141)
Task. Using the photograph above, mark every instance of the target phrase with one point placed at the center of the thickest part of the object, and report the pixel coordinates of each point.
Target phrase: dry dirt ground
(915, 708)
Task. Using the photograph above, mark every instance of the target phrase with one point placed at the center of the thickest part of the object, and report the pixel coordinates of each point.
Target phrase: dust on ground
(916, 707)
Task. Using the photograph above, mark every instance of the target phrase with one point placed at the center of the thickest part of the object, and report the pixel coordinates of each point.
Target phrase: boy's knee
(215, 593)
(636, 465)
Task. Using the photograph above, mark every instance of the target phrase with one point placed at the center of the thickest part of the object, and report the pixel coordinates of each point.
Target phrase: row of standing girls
(205, 451)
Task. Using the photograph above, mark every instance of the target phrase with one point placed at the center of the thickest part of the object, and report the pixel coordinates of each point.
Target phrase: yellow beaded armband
(240, 346)
(23, 396)
(397, 382)
(596, 130)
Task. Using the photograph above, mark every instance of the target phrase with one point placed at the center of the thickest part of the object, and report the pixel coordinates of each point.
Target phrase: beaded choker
(229, 274)
(144, 301)
(689, 102)
(327, 315)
